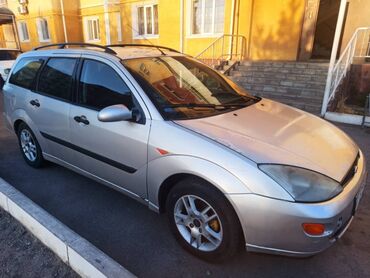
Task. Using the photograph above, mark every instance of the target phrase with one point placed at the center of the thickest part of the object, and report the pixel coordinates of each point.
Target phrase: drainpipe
(106, 21)
(16, 35)
(333, 56)
(182, 26)
(232, 28)
(64, 21)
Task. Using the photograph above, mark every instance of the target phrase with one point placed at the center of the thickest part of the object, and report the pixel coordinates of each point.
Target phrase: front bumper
(275, 226)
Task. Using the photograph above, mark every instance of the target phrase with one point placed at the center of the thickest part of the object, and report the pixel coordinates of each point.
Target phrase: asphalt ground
(140, 240)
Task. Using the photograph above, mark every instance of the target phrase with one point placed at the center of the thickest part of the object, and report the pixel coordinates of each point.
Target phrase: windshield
(8, 54)
(183, 88)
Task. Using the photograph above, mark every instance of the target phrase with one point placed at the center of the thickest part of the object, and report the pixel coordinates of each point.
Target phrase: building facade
(272, 29)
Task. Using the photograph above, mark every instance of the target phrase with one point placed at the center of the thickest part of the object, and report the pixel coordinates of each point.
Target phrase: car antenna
(157, 47)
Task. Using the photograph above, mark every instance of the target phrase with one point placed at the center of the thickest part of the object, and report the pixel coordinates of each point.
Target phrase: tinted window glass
(101, 86)
(25, 72)
(56, 77)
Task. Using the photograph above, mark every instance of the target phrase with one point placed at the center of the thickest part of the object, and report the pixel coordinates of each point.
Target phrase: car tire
(29, 146)
(212, 240)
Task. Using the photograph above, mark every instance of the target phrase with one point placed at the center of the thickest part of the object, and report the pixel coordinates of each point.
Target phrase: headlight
(302, 184)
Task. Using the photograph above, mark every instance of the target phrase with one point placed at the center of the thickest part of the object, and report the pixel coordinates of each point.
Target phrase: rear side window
(24, 73)
(56, 78)
(101, 86)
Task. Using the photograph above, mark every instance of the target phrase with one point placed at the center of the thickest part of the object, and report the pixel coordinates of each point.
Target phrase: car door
(49, 105)
(115, 152)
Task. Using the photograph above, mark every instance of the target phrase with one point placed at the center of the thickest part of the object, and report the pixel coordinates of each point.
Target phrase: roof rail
(144, 45)
(63, 45)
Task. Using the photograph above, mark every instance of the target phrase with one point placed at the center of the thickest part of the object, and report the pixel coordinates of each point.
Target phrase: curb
(75, 251)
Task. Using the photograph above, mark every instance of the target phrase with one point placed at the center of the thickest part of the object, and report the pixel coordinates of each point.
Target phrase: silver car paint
(223, 150)
(284, 222)
(269, 132)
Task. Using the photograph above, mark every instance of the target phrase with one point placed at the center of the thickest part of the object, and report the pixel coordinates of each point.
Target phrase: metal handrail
(224, 48)
(345, 60)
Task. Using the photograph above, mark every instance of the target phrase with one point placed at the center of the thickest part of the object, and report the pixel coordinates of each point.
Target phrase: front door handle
(35, 102)
(81, 119)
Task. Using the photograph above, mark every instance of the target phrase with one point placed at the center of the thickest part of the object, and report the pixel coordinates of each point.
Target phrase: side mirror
(115, 113)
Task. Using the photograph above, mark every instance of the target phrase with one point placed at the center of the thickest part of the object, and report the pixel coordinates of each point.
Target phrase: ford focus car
(229, 169)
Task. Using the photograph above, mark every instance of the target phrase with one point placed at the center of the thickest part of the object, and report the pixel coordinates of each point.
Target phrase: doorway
(325, 29)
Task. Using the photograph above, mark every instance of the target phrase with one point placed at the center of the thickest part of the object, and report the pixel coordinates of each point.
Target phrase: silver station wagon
(229, 169)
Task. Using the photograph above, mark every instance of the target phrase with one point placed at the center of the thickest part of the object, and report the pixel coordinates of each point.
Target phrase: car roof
(121, 52)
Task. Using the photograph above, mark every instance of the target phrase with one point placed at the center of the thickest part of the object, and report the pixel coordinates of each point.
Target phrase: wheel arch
(17, 124)
(171, 182)
(168, 184)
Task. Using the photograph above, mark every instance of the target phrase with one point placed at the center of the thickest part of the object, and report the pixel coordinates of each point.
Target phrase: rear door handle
(81, 119)
(35, 102)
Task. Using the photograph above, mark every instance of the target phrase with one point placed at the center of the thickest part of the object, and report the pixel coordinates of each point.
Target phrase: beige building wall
(276, 29)
(358, 15)
(272, 28)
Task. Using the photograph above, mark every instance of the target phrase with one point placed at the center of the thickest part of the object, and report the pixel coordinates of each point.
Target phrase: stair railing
(224, 48)
(357, 48)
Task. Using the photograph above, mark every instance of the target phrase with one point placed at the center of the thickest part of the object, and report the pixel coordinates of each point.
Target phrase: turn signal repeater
(162, 151)
(314, 229)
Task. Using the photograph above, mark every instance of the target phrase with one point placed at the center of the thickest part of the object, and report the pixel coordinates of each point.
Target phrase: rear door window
(25, 72)
(56, 78)
(101, 86)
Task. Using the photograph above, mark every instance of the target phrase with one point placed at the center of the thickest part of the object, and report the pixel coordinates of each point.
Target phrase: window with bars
(207, 16)
(43, 30)
(23, 31)
(147, 20)
(92, 29)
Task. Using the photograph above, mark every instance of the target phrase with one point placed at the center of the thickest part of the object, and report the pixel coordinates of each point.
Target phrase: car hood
(270, 132)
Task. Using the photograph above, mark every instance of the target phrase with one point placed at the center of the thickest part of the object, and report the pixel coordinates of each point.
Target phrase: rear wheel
(203, 221)
(29, 146)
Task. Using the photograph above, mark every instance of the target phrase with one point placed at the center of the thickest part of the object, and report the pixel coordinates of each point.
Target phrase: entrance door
(325, 29)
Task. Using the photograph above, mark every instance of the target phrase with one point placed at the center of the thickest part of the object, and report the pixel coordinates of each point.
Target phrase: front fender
(164, 167)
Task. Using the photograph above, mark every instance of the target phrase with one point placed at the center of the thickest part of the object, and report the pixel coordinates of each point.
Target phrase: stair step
(298, 84)
(281, 76)
(310, 71)
(287, 64)
(283, 82)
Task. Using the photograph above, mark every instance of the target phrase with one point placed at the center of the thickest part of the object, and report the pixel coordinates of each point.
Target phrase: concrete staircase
(299, 84)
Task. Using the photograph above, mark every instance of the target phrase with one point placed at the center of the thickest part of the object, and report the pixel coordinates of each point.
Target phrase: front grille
(351, 172)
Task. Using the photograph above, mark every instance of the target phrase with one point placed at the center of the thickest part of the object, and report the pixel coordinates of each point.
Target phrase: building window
(119, 27)
(207, 16)
(147, 20)
(43, 30)
(92, 29)
(23, 31)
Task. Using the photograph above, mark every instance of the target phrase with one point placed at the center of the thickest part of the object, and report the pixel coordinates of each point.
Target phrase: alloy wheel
(198, 223)
(28, 145)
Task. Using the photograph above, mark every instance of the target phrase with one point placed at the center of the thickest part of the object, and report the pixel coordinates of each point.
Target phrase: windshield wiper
(205, 105)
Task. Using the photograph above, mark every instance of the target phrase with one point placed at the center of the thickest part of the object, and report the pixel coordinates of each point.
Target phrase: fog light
(314, 229)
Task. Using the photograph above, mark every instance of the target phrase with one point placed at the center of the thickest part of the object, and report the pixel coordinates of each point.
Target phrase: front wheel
(203, 221)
